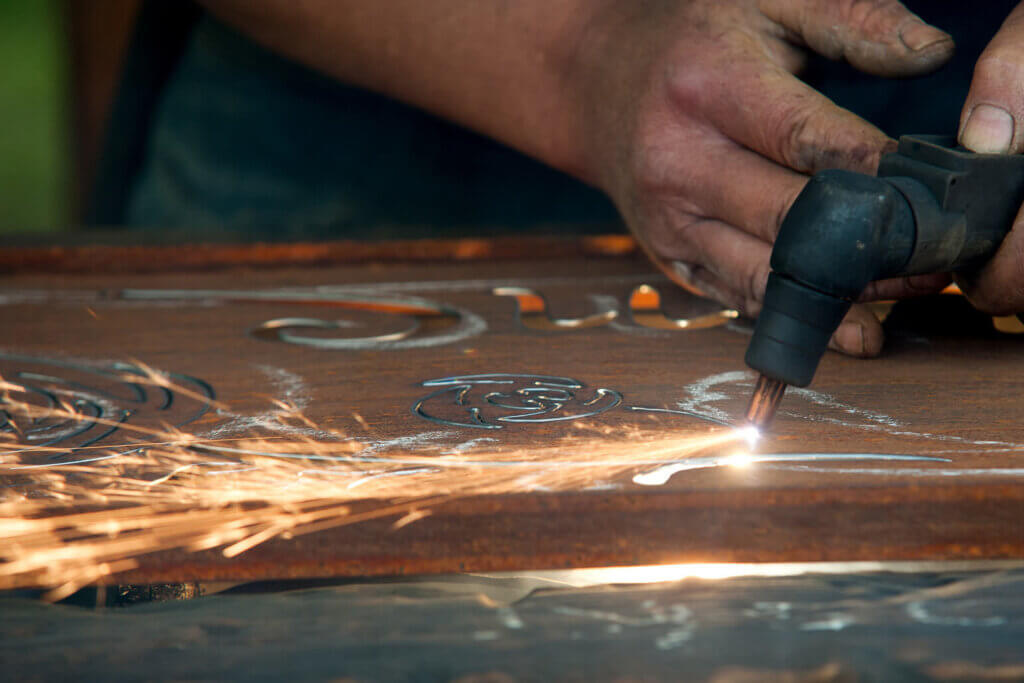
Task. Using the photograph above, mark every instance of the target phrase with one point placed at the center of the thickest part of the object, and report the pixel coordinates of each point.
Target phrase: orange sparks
(68, 525)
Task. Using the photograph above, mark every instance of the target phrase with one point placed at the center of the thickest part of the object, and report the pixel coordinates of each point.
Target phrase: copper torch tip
(764, 402)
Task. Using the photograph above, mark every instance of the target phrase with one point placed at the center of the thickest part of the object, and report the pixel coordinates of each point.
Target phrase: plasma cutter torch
(932, 208)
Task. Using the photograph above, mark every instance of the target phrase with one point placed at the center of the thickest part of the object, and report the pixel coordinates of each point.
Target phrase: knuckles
(693, 84)
(794, 137)
(871, 18)
(670, 237)
(808, 139)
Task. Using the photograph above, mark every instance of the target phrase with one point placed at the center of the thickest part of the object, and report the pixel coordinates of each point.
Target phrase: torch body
(931, 208)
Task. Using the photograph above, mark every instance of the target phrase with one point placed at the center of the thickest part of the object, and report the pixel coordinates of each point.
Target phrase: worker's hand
(993, 122)
(704, 136)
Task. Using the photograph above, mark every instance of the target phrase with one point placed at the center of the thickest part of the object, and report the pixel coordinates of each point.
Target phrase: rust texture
(935, 392)
(91, 258)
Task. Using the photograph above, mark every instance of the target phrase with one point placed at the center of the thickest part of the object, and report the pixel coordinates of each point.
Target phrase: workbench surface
(917, 455)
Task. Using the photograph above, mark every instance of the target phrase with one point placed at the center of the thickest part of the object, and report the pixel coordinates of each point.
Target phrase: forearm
(505, 69)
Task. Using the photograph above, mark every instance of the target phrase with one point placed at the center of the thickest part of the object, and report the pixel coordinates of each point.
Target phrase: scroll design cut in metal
(425, 323)
(447, 324)
(81, 405)
(533, 314)
(644, 308)
(493, 401)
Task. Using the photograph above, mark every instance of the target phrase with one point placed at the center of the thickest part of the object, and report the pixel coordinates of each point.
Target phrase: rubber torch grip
(793, 330)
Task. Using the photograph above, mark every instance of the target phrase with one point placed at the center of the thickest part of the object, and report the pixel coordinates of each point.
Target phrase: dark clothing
(239, 138)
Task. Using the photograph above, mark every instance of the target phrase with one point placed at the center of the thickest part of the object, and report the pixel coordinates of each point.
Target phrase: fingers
(992, 121)
(747, 91)
(731, 184)
(725, 262)
(905, 287)
(860, 334)
(999, 287)
(757, 201)
(767, 110)
(735, 263)
(880, 37)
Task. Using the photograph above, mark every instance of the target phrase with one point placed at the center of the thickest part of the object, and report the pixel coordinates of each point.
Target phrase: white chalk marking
(287, 387)
(710, 390)
(675, 637)
(405, 443)
(918, 611)
(467, 445)
(486, 635)
(509, 618)
(834, 622)
(779, 610)
(704, 392)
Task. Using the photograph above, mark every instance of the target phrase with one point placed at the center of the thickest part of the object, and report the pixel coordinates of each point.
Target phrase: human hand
(703, 136)
(992, 122)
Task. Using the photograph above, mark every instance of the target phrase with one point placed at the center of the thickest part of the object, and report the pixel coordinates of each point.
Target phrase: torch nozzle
(764, 402)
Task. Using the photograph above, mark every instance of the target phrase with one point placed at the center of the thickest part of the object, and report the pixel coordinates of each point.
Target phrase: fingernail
(920, 36)
(850, 338)
(989, 130)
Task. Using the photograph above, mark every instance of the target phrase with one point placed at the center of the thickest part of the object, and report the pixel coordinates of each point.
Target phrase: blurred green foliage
(34, 117)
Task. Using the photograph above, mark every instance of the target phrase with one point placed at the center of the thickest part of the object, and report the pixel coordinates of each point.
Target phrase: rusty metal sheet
(916, 455)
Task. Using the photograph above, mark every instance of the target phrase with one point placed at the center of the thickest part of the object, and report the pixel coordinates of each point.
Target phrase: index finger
(771, 112)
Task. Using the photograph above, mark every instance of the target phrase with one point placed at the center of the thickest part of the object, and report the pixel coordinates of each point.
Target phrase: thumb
(880, 37)
(992, 116)
(860, 334)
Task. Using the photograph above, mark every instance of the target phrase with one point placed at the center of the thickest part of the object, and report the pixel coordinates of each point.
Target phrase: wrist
(566, 117)
(608, 61)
